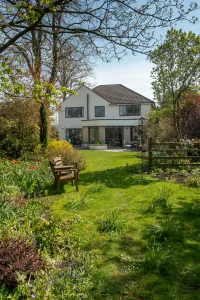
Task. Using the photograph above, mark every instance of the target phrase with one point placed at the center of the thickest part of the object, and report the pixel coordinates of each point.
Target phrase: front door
(114, 136)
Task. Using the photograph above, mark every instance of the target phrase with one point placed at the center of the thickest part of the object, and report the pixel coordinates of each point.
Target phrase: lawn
(142, 234)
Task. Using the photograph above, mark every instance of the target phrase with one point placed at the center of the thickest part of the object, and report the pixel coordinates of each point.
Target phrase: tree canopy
(177, 69)
(104, 26)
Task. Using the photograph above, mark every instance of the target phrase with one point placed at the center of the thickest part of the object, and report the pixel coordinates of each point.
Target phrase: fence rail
(176, 153)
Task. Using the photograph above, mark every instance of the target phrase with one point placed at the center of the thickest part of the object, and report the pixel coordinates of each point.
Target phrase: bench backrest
(57, 161)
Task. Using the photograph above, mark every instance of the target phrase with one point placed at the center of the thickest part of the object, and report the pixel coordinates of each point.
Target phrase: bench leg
(76, 182)
(58, 186)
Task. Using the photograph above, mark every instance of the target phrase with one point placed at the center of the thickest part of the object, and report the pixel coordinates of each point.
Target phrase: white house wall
(112, 117)
(79, 100)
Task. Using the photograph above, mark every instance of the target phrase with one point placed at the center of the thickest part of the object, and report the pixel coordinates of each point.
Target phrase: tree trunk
(43, 127)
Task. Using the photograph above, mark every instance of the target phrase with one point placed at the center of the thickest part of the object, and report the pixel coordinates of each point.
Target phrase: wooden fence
(172, 154)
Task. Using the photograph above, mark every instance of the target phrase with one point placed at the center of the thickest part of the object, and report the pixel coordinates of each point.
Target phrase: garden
(125, 235)
(131, 231)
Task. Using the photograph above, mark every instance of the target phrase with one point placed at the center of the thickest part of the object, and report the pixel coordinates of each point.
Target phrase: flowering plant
(30, 177)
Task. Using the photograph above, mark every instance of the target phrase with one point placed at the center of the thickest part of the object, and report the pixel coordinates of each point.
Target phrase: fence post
(150, 161)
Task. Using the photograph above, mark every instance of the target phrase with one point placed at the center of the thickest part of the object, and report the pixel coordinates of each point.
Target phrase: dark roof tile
(119, 94)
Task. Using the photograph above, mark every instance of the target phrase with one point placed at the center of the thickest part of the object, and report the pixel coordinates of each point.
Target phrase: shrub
(17, 255)
(51, 234)
(67, 277)
(27, 178)
(19, 127)
(67, 152)
(75, 157)
(58, 148)
(192, 181)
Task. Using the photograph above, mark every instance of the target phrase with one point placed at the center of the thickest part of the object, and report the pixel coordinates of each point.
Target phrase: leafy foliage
(17, 255)
(19, 127)
(126, 25)
(57, 269)
(176, 70)
(190, 115)
(27, 178)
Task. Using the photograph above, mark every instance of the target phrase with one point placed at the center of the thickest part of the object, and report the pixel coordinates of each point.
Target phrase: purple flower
(33, 295)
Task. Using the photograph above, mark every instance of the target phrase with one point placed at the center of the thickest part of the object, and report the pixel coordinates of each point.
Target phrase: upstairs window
(74, 112)
(99, 111)
(130, 110)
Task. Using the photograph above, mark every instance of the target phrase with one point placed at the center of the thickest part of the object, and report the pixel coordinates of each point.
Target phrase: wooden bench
(64, 174)
(59, 164)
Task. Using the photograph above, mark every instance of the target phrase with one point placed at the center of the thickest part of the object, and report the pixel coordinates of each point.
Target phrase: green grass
(131, 263)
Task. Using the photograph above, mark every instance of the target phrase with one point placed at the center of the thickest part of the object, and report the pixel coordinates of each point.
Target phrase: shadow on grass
(119, 177)
(183, 246)
(133, 279)
(50, 189)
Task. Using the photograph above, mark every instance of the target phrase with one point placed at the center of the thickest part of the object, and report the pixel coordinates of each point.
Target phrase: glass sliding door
(114, 136)
(74, 136)
(93, 134)
(109, 136)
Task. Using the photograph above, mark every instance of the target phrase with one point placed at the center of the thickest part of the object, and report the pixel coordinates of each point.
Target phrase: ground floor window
(114, 136)
(74, 136)
(93, 134)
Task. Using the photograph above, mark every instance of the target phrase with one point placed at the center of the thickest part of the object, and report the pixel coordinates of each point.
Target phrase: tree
(39, 72)
(177, 69)
(43, 126)
(107, 27)
(190, 115)
(19, 130)
(74, 68)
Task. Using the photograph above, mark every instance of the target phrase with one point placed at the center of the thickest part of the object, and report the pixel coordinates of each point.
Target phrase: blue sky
(134, 71)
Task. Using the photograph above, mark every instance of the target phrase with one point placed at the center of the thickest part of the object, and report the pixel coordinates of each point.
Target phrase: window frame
(129, 115)
(96, 113)
(67, 108)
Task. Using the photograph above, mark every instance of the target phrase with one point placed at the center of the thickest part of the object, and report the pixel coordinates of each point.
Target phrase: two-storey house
(107, 113)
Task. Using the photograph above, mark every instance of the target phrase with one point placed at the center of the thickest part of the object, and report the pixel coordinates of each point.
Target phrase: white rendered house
(108, 114)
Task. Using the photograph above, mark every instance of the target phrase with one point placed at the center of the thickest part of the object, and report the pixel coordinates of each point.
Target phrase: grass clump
(151, 207)
(80, 202)
(163, 197)
(97, 187)
(112, 222)
(192, 209)
(169, 228)
(156, 258)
